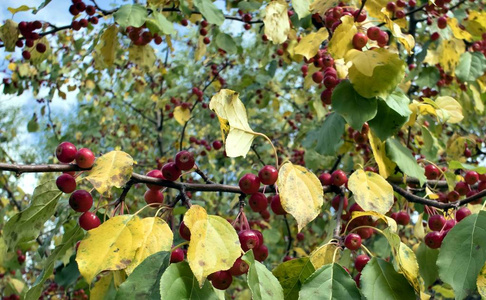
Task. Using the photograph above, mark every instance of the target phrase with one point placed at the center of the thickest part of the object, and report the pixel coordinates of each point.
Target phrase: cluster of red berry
(27, 30)
(440, 227)
(141, 37)
(80, 200)
(78, 7)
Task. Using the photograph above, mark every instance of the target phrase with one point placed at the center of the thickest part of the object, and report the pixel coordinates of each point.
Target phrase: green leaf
(387, 121)
(328, 136)
(379, 280)
(26, 225)
(330, 282)
(9, 33)
(178, 282)
(301, 7)
(402, 156)
(43, 4)
(131, 15)
(226, 42)
(428, 77)
(454, 164)
(69, 239)
(472, 65)
(426, 258)
(263, 284)
(210, 12)
(145, 279)
(160, 24)
(463, 254)
(33, 126)
(399, 102)
(292, 274)
(430, 148)
(67, 274)
(354, 108)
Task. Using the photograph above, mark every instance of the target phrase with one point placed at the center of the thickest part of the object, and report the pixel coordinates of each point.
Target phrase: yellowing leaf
(385, 165)
(418, 228)
(391, 223)
(309, 44)
(449, 109)
(143, 56)
(324, 255)
(449, 53)
(9, 33)
(481, 282)
(342, 39)
(201, 49)
(457, 31)
(157, 237)
(104, 53)
(417, 109)
(407, 40)
(20, 8)
(113, 169)
(182, 115)
(374, 8)
(231, 112)
(301, 193)
(276, 21)
(476, 95)
(110, 246)
(214, 244)
(476, 23)
(101, 287)
(371, 191)
(321, 6)
(36, 57)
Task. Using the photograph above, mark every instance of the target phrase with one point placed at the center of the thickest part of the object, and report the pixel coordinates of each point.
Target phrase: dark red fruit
(217, 145)
(325, 179)
(433, 239)
(352, 241)
(462, 213)
(66, 152)
(248, 239)
(339, 178)
(300, 236)
(153, 196)
(66, 183)
(436, 222)
(240, 267)
(40, 47)
(318, 77)
(276, 206)
(184, 160)
(21, 259)
(171, 172)
(177, 255)
(431, 172)
(249, 184)
(462, 188)
(453, 196)
(85, 158)
(156, 174)
(359, 40)
(373, 33)
(442, 22)
(81, 201)
(261, 253)
(268, 175)
(258, 202)
(403, 218)
(337, 199)
(89, 221)
(471, 177)
(361, 261)
(184, 231)
(221, 280)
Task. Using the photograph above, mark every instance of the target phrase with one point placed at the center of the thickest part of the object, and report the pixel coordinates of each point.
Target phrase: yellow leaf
(201, 49)
(143, 56)
(12, 66)
(101, 287)
(407, 40)
(455, 146)
(276, 21)
(157, 236)
(417, 109)
(374, 8)
(182, 115)
(37, 57)
(324, 255)
(449, 53)
(20, 8)
(231, 112)
(214, 244)
(342, 39)
(105, 51)
(110, 246)
(301, 193)
(481, 282)
(321, 6)
(476, 23)
(449, 109)
(386, 167)
(15, 284)
(3, 253)
(405, 258)
(476, 95)
(392, 224)
(113, 169)
(309, 44)
(457, 31)
(371, 191)
(418, 228)
(90, 84)
(9, 33)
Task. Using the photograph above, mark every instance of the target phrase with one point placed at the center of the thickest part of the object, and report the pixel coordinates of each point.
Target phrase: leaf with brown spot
(371, 191)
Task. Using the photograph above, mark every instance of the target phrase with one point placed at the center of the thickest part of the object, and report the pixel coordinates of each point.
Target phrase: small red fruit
(156, 174)
(268, 175)
(373, 33)
(352, 241)
(85, 158)
(433, 239)
(249, 184)
(81, 201)
(361, 261)
(317, 77)
(359, 40)
(66, 183)
(325, 179)
(276, 206)
(184, 160)
(153, 196)
(89, 221)
(177, 255)
(258, 202)
(337, 199)
(471, 177)
(184, 231)
(462, 213)
(339, 178)
(403, 218)
(171, 172)
(442, 22)
(66, 152)
(217, 145)
(462, 188)
(261, 253)
(248, 239)
(221, 280)
(240, 267)
(432, 172)
(436, 222)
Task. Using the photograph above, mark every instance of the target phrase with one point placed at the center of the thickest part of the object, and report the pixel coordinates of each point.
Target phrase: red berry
(184, 160)
(66, 183)
(391, 6)
(453, 196)
(85, 158)
(171, 171)
(268, 175)
(89, 221)
(359, 40)
(249, 184)
(76, 25)
(221, 280)
(206, 40)
(248, 240)
(361, 261)
(433, 239)
(471, 177)
(462, 188)
(153, 196)
(184, 231)
(66, 152)
(261, 253)
(276, 206)
(184, 22)
(300, 236)
(435, 36)
(240, 267)
(399, 14)
(258, 202)
(90, 10)
(431, 172)
(462, 213)
(325, 179)
(403, 218)
(339, 178)
(373, 33)
(40, 47)
(337, 199)
(81, 201)
(177, 255)
(73, 10)
(21, 259)
(156, 174)
(442, 22)
(482, 185)
(357, 279)
(217, 145)
(436, 222)
(318, 77)
(352, 241)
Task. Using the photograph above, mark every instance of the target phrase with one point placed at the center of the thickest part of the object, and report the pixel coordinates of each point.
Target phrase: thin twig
(289, 234)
